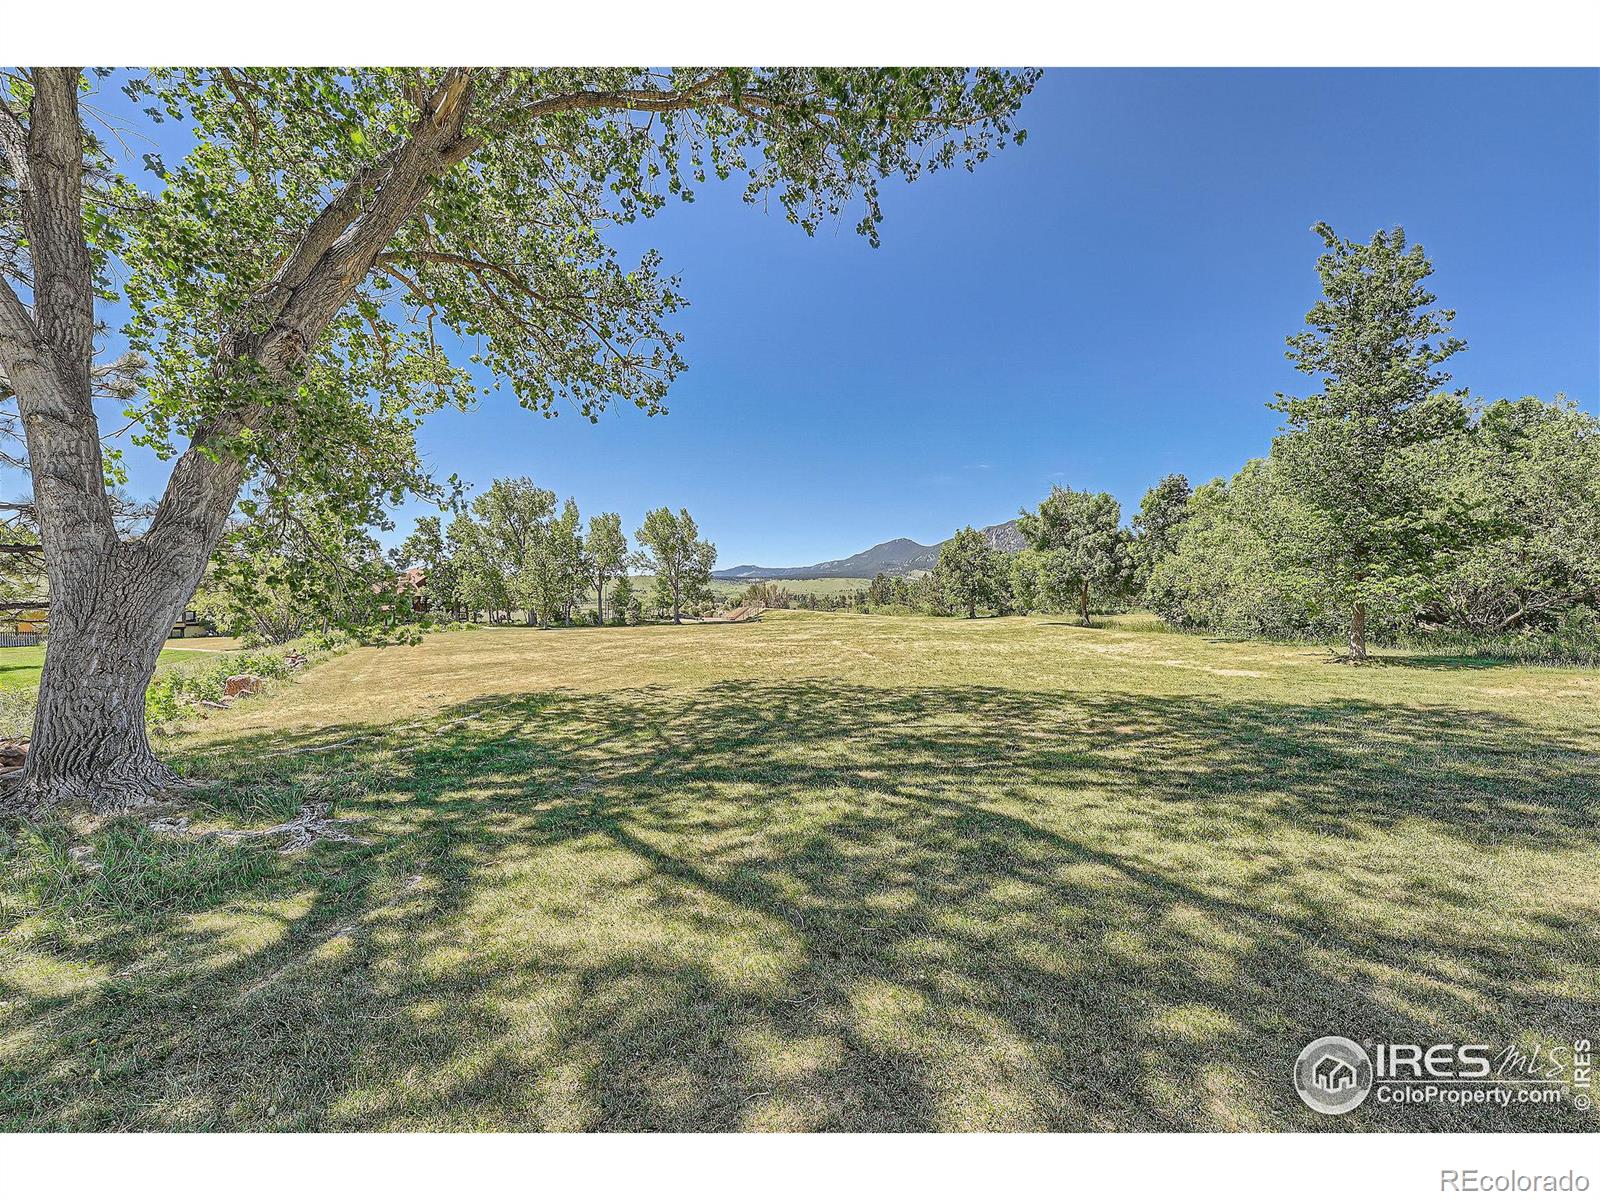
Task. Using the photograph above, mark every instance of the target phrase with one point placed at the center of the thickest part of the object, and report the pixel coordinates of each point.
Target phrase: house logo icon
(1333, 1075)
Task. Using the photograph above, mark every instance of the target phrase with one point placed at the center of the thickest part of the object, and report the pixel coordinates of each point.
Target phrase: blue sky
(1104, 305)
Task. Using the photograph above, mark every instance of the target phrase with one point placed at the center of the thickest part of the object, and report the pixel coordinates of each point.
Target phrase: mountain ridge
(897, 556)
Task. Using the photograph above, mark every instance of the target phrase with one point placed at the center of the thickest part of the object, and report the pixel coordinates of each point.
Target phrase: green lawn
(20, 665)
(820, 872)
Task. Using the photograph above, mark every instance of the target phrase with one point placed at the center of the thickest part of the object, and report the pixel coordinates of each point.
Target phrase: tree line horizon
(1386, 505)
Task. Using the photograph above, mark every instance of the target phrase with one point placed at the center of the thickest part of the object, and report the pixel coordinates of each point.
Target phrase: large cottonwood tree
(292, 280)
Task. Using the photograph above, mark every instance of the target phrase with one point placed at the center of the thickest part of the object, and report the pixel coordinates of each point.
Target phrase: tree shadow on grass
(1453, 662)
(818, 906)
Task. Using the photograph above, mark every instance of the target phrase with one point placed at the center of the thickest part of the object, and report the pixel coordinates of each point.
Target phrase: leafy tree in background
(764, 593)
(1230, 569)
(672, 550)
(492, 540)
(969, 571)
(1530, 472)
(282, 574)
(1022, 570)
(542, 583)
(1083, 549)
(607, 551)
(1362, 455)
(662, 601)
(622, 601)
(1157, 525)
(286, 281)
(564, 545)
(512, 520)
(481, 584)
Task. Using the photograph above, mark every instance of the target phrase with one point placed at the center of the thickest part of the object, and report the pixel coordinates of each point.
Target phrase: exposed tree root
(314, 824)
(128, 787)
(296, 750)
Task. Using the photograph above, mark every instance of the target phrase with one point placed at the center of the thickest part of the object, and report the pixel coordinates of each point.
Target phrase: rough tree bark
(108, 620)
(113, 602)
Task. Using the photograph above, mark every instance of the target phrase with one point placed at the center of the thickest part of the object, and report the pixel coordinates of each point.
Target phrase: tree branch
(14, 141)
(336, 252)
(52, 211)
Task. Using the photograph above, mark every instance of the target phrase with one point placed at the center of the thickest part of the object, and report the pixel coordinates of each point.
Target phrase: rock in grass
(242, 685)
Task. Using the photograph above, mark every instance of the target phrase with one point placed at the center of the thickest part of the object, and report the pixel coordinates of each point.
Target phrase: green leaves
(1359, 458)
(1082, 549)
(672, 550)
(492, 255)
(970, 572)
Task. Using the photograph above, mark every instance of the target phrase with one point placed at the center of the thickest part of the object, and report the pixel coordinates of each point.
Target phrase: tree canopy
(671, 549)
(327, 262)
(1083, 548)
(970, 571)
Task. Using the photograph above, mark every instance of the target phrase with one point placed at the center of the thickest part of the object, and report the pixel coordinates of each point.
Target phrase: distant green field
(729, 589)
(817, 587)
(20, 665)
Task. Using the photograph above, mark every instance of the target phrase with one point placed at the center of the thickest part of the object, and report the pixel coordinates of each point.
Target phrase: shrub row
(180, 688)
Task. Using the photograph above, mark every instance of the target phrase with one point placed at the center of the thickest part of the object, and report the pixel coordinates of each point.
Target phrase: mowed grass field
(820, 872)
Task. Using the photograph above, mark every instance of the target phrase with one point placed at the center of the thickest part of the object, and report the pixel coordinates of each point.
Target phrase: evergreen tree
(623, 600)
(1361, 455)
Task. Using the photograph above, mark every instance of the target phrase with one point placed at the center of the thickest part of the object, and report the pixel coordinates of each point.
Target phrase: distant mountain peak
(898, 556)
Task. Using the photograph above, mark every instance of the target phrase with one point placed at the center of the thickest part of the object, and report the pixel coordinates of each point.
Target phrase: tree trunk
(972, 608)
(112, 602)
(1358, 632)
(1083, 605)
(108, 622)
